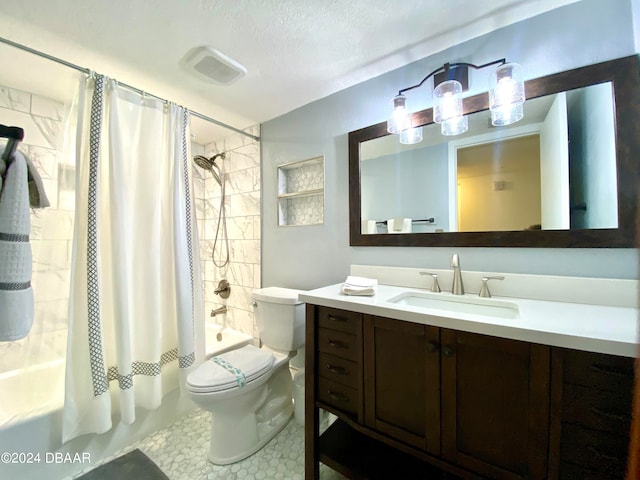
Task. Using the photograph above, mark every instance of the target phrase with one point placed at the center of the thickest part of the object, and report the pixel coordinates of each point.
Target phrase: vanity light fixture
(506, 99)
(506, 94)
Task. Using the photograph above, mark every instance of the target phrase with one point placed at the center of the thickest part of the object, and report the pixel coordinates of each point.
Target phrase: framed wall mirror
(567, 175)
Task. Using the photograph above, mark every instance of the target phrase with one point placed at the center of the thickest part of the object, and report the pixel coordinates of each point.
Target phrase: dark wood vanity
(421, 400)
(418, 401)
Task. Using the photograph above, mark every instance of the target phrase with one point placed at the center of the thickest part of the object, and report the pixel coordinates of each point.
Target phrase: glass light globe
(506, 94)
(454, 125)
(399, 119)
(411, 136)
(447, 98)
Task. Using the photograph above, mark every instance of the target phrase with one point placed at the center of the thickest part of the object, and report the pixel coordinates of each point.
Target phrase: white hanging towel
(369, 227)
(16, 294)
(399, 225)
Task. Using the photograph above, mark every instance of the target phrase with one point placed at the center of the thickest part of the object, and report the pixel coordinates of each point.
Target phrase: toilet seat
(231, 370)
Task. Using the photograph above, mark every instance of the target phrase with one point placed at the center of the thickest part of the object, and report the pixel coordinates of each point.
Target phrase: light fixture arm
(400, 92)
(452, 66)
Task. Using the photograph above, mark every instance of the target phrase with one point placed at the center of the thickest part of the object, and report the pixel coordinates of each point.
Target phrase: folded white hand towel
(359, 286)
(16, 295)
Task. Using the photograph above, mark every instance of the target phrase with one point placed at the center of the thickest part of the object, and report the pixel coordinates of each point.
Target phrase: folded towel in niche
(16, 295)
(359, 286)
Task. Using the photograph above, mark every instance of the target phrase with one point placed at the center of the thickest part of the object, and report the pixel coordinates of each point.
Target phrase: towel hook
(15, 136)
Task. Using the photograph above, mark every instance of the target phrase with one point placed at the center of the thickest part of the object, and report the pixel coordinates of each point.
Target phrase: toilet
(249, 390)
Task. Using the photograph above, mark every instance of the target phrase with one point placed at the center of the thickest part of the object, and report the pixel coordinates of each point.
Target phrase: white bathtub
(39, 389)
(31, 403)
(31, 392)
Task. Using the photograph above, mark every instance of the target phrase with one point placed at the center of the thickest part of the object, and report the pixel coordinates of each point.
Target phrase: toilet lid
(232, 369)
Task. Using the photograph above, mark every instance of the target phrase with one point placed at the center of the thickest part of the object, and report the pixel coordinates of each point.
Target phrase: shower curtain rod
(134, 89)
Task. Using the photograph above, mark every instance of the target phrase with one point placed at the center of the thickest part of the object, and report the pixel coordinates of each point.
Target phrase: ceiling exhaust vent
(210, 65)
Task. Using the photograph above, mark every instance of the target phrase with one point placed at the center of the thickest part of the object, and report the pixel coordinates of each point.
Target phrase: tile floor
(180, 450)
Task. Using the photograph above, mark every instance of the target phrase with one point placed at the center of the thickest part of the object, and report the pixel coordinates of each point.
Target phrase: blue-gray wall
(579, 34)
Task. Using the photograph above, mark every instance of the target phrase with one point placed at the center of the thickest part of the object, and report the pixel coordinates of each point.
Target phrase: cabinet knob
(335, 319)
(432, 347)
(448, 352)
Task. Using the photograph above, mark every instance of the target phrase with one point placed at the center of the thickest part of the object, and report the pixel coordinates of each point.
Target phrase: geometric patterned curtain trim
(96, 357)
(187, 194)
(149, 369)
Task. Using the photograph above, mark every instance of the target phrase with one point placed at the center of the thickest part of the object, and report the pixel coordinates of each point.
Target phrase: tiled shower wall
(51, 229)
(242, 205)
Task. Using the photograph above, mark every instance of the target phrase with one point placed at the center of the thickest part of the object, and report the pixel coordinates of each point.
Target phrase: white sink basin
(460, 304)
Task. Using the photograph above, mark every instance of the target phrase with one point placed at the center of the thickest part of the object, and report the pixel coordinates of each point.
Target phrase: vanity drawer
(594, 450)
(598, 409)
(338, 396)
(339, 344)
(341, 320)
(339, 370)
(599, 371)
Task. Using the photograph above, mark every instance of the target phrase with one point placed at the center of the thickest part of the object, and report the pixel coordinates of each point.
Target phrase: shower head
(203, 162)
(209, 163)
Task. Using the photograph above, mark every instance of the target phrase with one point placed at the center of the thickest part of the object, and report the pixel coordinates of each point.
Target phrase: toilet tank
(280, 317)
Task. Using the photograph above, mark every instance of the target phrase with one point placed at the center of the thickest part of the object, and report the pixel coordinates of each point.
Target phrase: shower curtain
(136, 315)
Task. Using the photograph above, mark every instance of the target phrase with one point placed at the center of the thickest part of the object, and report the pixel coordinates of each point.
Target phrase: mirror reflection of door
(499, 185)
(560, 175)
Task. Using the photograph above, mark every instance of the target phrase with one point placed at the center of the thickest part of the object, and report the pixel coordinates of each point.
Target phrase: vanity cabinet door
(402, 381)
(495, 405)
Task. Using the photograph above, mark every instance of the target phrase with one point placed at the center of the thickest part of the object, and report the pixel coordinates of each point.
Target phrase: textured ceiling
(295, 51)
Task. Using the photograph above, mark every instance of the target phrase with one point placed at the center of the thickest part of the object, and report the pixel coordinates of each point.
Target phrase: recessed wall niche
(301, 192)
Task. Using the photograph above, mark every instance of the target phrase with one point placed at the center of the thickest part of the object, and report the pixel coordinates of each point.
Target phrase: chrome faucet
(457, 288)
(435, 286)
(218, 311)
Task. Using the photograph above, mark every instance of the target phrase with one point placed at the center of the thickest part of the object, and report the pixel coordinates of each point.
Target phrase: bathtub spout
(218, 311)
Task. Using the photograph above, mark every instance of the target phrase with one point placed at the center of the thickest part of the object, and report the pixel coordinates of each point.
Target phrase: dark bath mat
(133, 465)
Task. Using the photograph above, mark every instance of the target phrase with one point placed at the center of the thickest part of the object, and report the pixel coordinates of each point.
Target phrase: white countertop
(594, 328)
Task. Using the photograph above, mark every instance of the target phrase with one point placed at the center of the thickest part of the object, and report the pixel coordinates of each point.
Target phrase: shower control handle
(224, 289)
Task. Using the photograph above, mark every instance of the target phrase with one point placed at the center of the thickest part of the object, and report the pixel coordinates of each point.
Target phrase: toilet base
(275, 427)
(236, 435)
